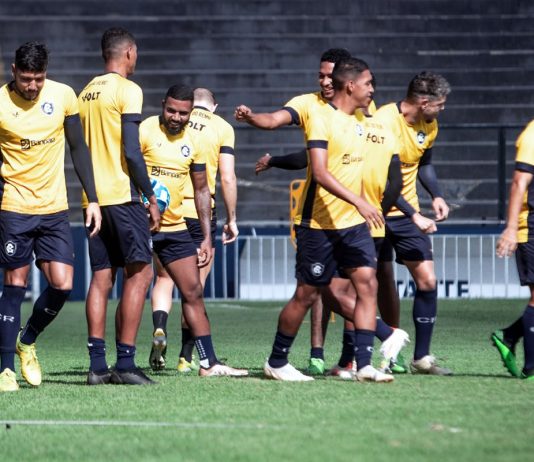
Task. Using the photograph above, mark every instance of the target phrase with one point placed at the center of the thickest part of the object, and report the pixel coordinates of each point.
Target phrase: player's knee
(426, 283)
(191, 294)
(61, 282)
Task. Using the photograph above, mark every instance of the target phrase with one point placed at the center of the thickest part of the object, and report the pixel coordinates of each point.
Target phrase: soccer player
(517, 237)
(332, 225)
(382, 184)
(174, 153)
(36, 116)
(110, 109)
(413, 121)
(298, 111)
(216, 137)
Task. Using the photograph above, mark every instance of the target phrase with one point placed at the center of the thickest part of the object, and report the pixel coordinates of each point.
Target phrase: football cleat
(185, 367)
(316, 366)
(506, 351)
(131, 377)
(99, 377)
(427, 365)
(8, 381)
(222, 370)
(158, 350)
(344, 373)
(29, 364)
(392, 346)
(285, 373)
(527, 375)
(370, 374)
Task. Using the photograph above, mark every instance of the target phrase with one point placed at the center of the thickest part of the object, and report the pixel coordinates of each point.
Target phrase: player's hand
(441, 209)
(153, 213)
(427, 225)
(230, 232)
(507, 243)
(371, 214)
(242, 113)
(262, 163)
(93, 218)
(205, 253)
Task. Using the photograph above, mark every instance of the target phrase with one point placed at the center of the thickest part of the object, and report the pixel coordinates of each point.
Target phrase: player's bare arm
(265, 120)
(203, 205)
(507, 243)
(229, 195)
(319, 165)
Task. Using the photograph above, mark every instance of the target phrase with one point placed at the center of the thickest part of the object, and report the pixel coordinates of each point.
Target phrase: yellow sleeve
(525, 145)
(131, 99)
(227, 138)
(71, 102)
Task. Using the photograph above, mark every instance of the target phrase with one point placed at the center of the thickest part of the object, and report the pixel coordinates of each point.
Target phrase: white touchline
(127, 423)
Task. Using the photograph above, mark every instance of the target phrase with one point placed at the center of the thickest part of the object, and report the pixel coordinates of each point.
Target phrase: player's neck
(344, 103)
(410, 112)
(117, 68)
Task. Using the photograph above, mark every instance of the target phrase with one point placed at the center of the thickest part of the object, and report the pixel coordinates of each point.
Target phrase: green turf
(480, 414)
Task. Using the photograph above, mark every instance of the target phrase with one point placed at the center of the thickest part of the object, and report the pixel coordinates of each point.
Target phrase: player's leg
(316, 362)
(528, 337)
(13, 294)
(424, 317)
(161, 301)
(178, 254)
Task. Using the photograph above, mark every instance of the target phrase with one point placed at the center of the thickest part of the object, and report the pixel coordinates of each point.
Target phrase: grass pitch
(481, 413)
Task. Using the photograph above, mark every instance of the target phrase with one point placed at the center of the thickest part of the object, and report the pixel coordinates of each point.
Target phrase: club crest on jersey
(359, 130)
(10, 248)
(421, 136)
(317, 269)
(186, 150)
(47, 108)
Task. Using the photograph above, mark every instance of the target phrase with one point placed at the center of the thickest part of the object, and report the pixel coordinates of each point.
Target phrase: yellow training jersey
(378, 151)
(302, 107)
(525, 162)
(103, 103)
(412, 141)
(216, 136)
(169, 159)
(343, 137)
(32, 144)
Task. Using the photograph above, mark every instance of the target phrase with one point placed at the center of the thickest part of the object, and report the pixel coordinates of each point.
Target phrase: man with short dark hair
(173, 154)
(216, 137)
(36, 116)
(414, 123)
(332, 225)
(110, 109)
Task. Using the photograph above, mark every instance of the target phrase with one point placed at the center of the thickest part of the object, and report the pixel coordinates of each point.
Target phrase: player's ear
(13, 70)
(215, 106)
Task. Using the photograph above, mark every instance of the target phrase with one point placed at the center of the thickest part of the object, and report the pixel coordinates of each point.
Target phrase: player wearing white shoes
(414, 123)
(216, 136)
(37, 116)
(332, 225)
(297, 111)
(173, 154)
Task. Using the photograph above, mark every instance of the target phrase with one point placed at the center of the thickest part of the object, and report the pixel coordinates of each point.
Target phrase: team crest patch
(359, 130)
(186, 150)
(47, 108)
(421, 136)
(10, 248)
(317, 269)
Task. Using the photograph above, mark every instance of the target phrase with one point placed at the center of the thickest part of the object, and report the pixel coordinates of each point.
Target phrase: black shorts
(173, 246)
(321, 252)
(378, 241)
(409, 242)
(48, 236)
(193, 226)
(123, 239)
(524, 258)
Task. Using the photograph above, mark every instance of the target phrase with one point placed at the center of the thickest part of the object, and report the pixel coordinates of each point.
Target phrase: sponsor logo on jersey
(351, 158)
(10, 248)
(186, 150)
(359, 130)
(421, 137)
(26, 144)
(158, 171)
(317, 269)
(47, 107)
